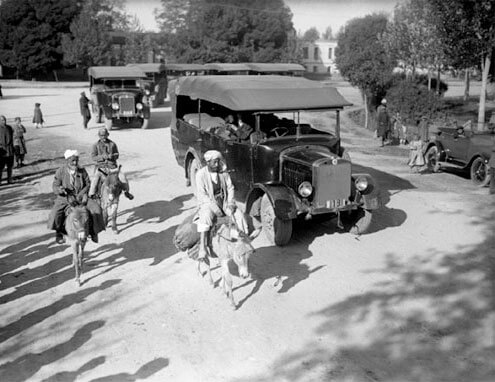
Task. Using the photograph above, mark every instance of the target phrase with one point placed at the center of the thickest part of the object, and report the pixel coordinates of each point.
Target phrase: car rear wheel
(431, 159)
(277, 231)
(192, 170)
(480, 175)
(357, 221)
(145, 123)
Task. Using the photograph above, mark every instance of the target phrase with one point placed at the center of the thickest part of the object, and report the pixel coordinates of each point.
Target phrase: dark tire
(277, 231)
(192, 170)
(480, 174)
(357, 221)
(99, 115)
(145, 123)
(431, 159)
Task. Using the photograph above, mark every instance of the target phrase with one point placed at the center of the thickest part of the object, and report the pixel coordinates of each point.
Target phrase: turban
(71, 153)
(103, 131)
(212, 155)
(384, 101)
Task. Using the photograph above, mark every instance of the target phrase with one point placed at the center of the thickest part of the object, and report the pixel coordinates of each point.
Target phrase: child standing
(37, 116)
(416, 159)
(19, 142)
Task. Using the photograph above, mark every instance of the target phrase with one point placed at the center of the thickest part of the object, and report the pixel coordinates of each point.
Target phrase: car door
(238, 155)
(455, 146)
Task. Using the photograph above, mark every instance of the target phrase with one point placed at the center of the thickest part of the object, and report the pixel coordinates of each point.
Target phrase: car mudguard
(190, 155)
(370, 197)
(282, 198)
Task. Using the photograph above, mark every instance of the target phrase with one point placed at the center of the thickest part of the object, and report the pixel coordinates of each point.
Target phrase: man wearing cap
(105, 154)
(84, 106)
(215, 196)
(71, 185)
(383, 121)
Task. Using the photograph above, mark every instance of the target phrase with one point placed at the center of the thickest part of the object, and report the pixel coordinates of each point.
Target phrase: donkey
(77, 228)
(228, 242)
(111, 189)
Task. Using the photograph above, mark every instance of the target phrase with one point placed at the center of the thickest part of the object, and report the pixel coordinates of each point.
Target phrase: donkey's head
(113, 185)
(77, 223)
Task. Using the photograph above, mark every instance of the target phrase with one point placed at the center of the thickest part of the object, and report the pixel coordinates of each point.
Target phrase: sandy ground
(411, 301)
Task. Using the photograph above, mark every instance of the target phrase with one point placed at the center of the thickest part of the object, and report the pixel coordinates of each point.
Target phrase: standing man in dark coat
(6, 148)
(84, 106)
(383, 120)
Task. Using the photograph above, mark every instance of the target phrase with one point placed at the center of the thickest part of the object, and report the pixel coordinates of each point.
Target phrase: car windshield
(117, 84)
(311, 122)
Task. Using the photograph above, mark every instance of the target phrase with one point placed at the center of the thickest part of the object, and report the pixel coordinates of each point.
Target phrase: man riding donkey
(105, 154)
(215, 197)
(71, 184)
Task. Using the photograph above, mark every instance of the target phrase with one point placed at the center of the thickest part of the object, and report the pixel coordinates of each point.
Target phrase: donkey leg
(114, 222)
(227, 282)
(75, 261)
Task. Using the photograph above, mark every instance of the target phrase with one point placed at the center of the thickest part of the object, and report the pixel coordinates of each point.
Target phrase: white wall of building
(319, 56)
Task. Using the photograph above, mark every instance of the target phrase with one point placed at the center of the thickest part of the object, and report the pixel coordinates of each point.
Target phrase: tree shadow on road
(144, 372)
(26, 366)
(39, 315)
(431, 318)
(72, 376)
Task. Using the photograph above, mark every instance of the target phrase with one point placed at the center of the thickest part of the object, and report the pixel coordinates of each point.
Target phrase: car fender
(442, 154)
(190, 155)
(283, 199)
(370, 198)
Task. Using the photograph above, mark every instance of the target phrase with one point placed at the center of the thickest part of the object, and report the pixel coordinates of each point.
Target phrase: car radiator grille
(332, 182)
(294, 174)
(126, 105)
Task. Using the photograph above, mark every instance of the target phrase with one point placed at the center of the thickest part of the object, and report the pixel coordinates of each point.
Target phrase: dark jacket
(62, 181)
(491, 162)
(37, 115)
(383, 120)
(105, 153)
(84, 106)
(6, 141)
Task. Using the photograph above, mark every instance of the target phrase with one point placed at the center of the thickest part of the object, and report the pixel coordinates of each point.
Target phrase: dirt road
(411, 301)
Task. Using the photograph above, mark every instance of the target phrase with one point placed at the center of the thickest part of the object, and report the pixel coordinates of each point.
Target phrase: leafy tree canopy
(361, 57)
(311, 35)
(328, 34)
(226, 30)
(30, 33)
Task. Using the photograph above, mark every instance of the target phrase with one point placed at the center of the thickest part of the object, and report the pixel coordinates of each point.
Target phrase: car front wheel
(480, 175)
(357, 221)
(277, 231)
(431, 159)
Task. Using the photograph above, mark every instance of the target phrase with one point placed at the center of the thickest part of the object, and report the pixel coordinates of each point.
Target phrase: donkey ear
(255, 233)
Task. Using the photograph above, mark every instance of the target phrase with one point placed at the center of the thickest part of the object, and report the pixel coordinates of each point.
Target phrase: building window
(329, 69)
(330, 52)
(315, 69)
(305, 52)
(316, 53)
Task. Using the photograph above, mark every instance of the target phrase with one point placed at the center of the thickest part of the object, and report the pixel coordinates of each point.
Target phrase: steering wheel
(280, 131)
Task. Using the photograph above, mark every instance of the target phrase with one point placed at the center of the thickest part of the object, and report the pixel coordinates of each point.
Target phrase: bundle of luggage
(186, 237)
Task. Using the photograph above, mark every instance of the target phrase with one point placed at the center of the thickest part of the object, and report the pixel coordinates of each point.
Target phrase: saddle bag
(186, 235)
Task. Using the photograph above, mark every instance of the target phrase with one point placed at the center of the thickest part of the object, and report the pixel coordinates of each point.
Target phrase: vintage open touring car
(286, 169)
(155, 84)
(462, 149)
(117, 96)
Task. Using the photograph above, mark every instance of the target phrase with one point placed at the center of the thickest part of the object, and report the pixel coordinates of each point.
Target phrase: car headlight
(139, 106)
(115, 106)
(305, 189)
(147, 92)
(361, 183)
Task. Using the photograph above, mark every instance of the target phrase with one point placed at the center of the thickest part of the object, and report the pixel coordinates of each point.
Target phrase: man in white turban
(215, 196)
(70, 185)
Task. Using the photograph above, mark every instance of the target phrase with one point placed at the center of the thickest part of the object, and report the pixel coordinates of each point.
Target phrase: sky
(306, 13)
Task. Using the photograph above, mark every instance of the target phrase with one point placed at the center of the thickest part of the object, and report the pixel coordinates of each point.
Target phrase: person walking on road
(38, 116)
(19, 142)
(383, 121)
(6, 149)
(84, 106)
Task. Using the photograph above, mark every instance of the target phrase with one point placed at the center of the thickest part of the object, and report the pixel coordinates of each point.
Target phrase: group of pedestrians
(12, 146)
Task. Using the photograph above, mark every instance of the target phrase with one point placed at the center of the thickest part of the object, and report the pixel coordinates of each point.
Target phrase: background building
(319, 57)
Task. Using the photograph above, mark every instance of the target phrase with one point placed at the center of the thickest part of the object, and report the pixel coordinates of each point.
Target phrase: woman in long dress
(19, 142)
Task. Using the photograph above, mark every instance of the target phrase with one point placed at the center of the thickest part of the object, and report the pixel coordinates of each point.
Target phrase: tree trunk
(485, 66)
(55, 75)
(466, 84)
(366, 111)
(429, 79)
